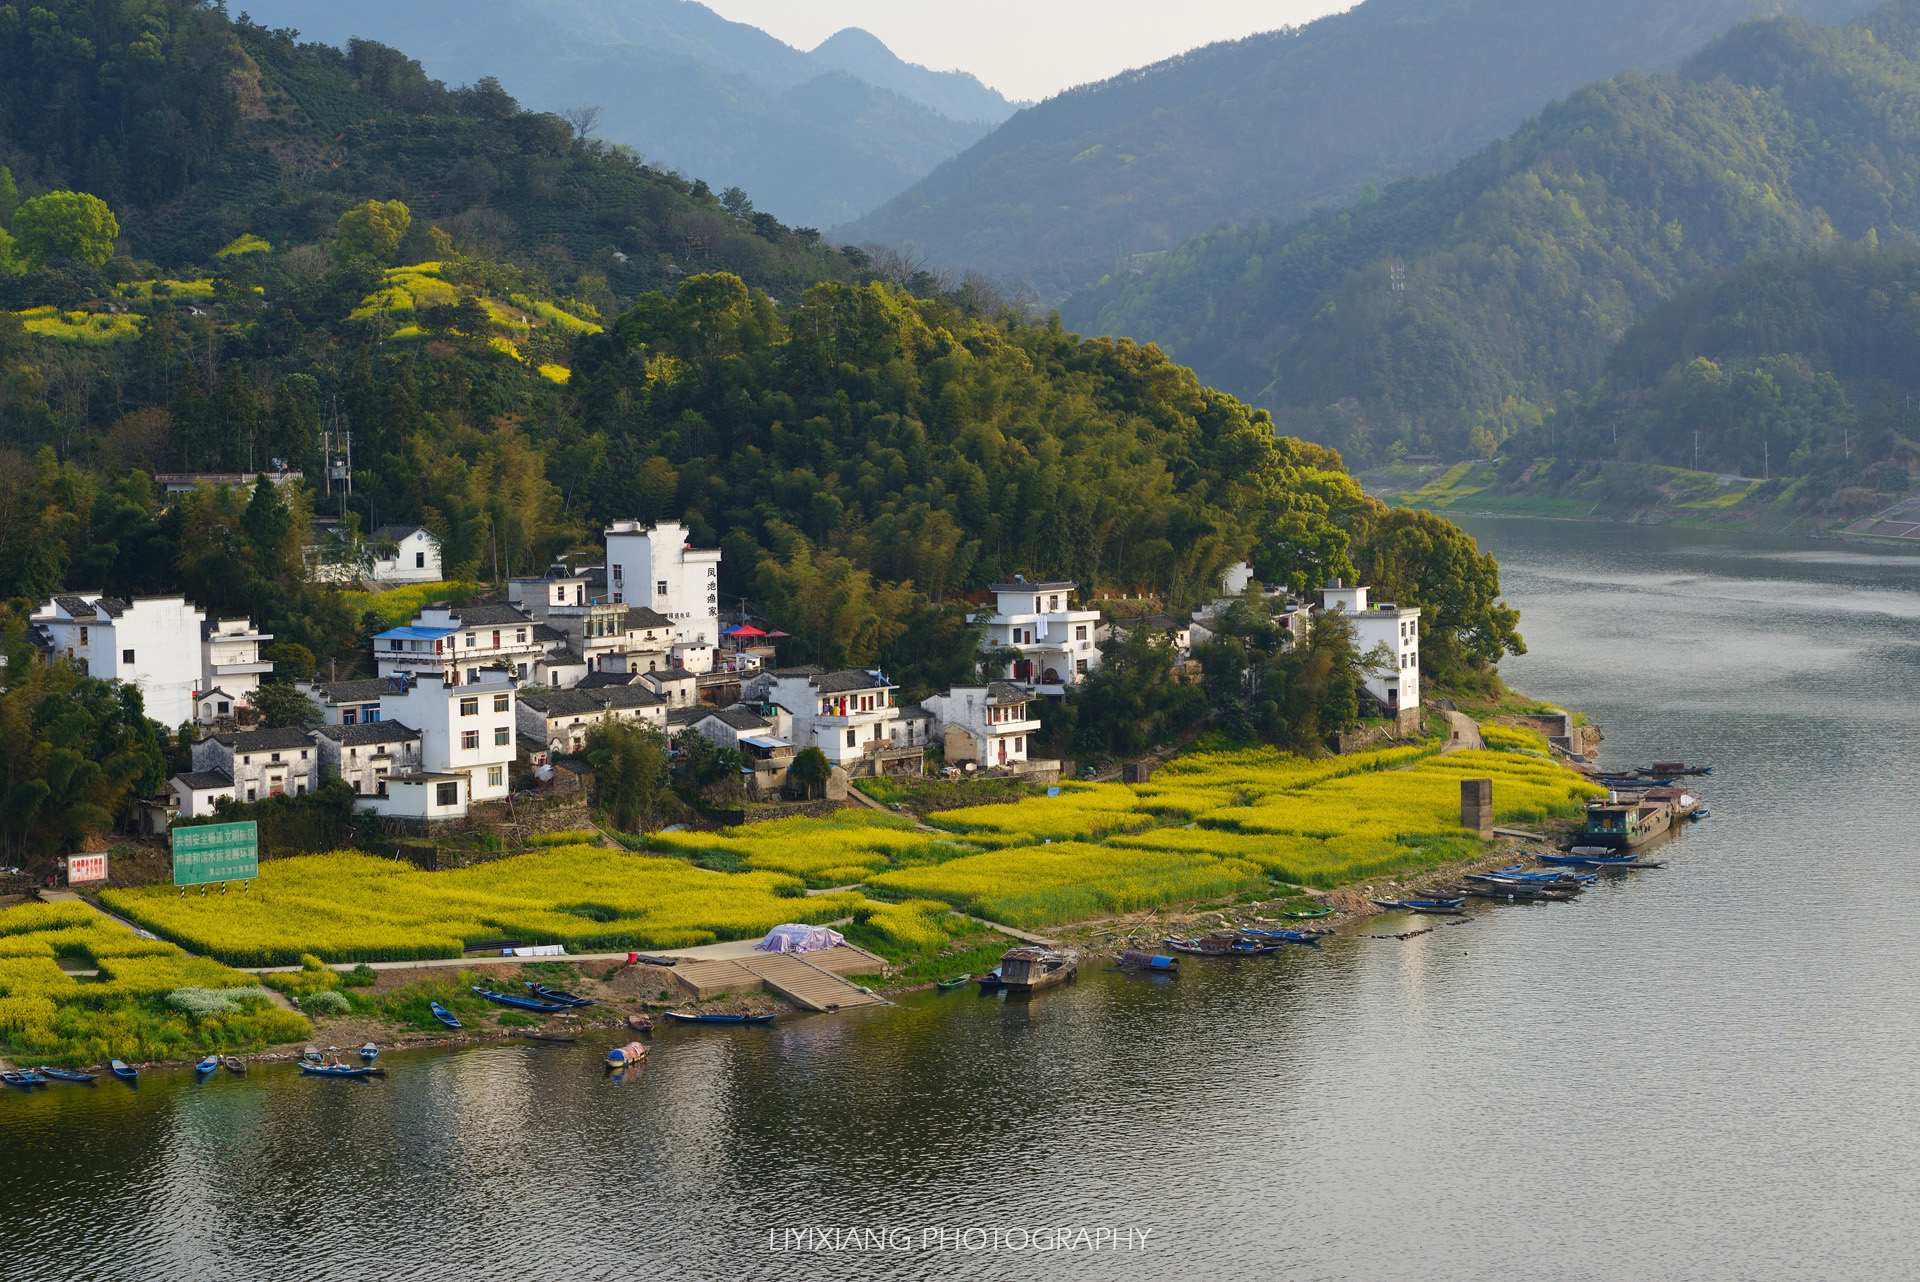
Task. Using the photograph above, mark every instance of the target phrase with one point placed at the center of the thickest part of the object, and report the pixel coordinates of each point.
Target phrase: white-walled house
(150, 642)
(1395, 627)
(465, 729)
(261, 763)
(368, 754)
(460, 643)
(230, 665)
(345, 703)
(1055, 642)
(198, 792)
(424, 798)
(655, 567)
(403, 554)
(560, 719)
(987, 725)
(848, 715)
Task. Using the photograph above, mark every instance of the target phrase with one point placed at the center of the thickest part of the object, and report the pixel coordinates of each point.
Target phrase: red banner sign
(86, 868)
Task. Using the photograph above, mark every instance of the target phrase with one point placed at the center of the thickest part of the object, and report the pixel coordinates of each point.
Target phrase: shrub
(327, 1001)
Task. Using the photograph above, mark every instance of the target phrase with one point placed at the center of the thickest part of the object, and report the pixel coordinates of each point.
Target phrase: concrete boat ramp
(812, 981)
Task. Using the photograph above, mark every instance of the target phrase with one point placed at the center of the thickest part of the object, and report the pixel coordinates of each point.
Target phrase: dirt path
(1465, 734)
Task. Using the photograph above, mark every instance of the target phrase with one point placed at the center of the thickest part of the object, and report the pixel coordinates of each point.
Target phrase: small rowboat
(340, 1070)
(990, 982)
(1215, 948)
(640, 1023)
(555, 995)
(25, 1080)
(66, 1075)
(518, 1003)
(1702, 813)
(1308, 914)
(369, 1052)
(442, 1014)
(1304, 938)
(235, 1065)
(537, 1035)
(124, 1071)
(207, 1067)
(719, 1019)
(1151, 961)
(626, 1056)
(948, 985)
(1586, 861)
(1430, 907)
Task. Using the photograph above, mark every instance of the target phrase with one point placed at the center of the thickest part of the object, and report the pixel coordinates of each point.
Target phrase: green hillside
(1519, 270)
(1096, 180)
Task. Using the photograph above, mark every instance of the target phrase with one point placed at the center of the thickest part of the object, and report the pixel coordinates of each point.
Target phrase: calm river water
(1703, 1072)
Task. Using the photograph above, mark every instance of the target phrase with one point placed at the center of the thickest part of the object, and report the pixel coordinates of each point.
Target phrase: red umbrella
(746, 630)
(772, 635)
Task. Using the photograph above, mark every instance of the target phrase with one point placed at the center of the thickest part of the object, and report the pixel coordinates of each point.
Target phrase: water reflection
(1701, 1071)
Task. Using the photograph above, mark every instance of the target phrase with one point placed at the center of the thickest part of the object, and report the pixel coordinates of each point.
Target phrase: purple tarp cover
(795, 938)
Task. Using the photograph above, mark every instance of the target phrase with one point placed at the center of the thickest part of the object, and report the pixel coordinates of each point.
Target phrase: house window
(850, 738)
(500, 737)
(353, 753)
(1080, 632)
(469, 738)
(1080, 665)
(499, 703)
(660, 589)
(373, 714)
(472, 640)
(251, 794)
(493, 777)
(419, 560)
(470, 707)
(126, 656)
(446, 794)
(246, 761)
(1053, 603)
(496, 638)
(83, 636)
(617, 570)
(300, 790)
(275, 757)
(349, 716)
(519, 636)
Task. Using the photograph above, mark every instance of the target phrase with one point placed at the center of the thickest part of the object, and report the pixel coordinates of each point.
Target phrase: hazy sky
(1029, 48)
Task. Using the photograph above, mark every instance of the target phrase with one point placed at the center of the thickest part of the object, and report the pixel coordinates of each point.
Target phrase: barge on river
(1028, 970)
(1627, 823)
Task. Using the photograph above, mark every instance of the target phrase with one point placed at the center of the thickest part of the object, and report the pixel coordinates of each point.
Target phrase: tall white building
(1395, 627)
(653, 566)
(465, 729)
(230, 667)
(1055, 642)
(151, 642)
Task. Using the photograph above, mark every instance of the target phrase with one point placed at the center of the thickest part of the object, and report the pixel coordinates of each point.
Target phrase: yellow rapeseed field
(353, 907)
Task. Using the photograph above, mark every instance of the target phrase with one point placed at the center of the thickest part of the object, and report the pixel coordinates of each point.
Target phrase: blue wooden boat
(444, 1015)
(719, 1019)
(1431, 907)
(518, 1003)
(1200, 948)
(990, 982)
(1586, 861)
(1306, 938)
(22, 1078)
(207, 1067)
(369, 1052)
(1702, 813)
(66, 1075)
(555, 995)
(340, 1070)
(124, 1071)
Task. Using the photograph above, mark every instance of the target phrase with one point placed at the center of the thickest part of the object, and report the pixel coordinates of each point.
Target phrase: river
(1698, 1072)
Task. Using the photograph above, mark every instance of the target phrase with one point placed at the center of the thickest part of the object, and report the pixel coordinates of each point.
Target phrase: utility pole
(1766, 460)
(1696, 449)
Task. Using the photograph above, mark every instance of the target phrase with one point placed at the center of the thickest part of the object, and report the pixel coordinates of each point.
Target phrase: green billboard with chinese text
(216, 852)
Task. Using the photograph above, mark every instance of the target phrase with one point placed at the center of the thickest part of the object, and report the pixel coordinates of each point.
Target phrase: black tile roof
(738, 718)
(1007, 692)
(807, 670)
(1033, 587)
(201, 780)
(491, 616)
(351, 691)
(639, 616)
(370, 732)
(548, 635)
(581, 703)
(382, 533)
(602, 680)
(265, 740)
(848, 679)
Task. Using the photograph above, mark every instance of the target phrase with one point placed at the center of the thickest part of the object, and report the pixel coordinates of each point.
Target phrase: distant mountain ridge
(1276, 124)
(1455, 311)
(817, 137)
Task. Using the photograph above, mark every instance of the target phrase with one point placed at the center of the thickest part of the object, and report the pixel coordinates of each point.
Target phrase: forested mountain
(221, 243)
(1274, 125)
(1519, 270)
(1801, 367)
(817, 137)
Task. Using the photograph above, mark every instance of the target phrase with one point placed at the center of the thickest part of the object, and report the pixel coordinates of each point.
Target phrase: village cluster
(463, 694)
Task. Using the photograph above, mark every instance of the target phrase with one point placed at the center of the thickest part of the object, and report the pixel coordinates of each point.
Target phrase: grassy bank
(1572, 490)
